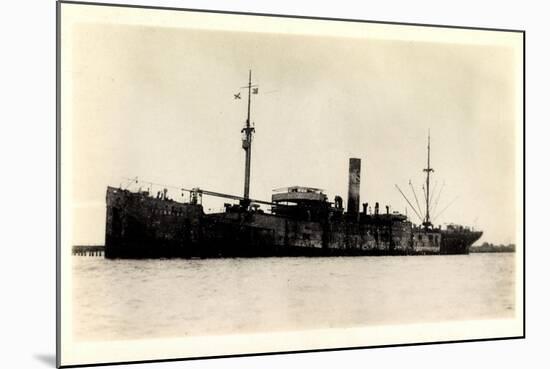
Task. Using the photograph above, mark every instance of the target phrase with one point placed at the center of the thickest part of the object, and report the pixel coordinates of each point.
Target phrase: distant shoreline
(489, 247)
(474, 251)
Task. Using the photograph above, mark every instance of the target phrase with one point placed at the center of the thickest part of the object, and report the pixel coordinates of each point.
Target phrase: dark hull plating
(139, 226)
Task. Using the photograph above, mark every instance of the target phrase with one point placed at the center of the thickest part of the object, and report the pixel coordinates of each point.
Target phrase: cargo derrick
(300, 221)
(427, 239)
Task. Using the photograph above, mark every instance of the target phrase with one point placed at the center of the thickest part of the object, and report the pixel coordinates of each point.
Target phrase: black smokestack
(354, 183)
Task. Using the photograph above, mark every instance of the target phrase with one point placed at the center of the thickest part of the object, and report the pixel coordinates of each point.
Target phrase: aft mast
(427, 223)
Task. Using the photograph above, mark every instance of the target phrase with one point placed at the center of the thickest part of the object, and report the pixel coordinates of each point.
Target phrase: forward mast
(247, 132)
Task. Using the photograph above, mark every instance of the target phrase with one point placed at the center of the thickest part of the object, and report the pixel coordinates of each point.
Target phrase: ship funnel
(354, 183)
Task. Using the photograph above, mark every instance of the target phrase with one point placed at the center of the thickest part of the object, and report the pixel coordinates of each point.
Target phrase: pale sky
(157, 103)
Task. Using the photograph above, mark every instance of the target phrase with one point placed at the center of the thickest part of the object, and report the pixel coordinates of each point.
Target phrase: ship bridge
(300, 202)
(298, 194)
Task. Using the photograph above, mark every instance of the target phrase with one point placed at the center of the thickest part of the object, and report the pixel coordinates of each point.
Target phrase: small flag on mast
(255, 91)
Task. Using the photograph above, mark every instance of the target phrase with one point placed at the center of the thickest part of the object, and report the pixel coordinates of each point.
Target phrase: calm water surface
(134, 299)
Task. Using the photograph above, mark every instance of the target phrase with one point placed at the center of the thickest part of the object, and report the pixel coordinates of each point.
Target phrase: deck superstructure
(299, 221)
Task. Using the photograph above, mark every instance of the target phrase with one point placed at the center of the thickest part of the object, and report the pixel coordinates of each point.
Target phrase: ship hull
(454, 243)
(139, 226)
(444, 242)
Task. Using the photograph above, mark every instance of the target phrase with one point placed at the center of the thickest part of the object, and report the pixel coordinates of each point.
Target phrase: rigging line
(432, 197)
(425, 196)
(405, 197)
(439, 196)
(416, 198)
(445, 208)
(130, 180)
(153, 183)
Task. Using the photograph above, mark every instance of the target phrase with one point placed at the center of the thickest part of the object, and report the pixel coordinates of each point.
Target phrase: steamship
(301, 221)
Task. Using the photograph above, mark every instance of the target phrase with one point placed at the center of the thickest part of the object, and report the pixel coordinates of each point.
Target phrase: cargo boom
(301, 222)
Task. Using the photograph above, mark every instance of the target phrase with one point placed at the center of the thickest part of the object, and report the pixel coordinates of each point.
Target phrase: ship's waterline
(157, 298)
(301, 221)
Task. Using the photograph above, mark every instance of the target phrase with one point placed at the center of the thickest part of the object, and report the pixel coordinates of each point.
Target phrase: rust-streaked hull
(140, 226)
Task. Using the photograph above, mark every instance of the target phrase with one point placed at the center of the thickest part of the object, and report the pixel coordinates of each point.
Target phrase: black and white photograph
(240, 184)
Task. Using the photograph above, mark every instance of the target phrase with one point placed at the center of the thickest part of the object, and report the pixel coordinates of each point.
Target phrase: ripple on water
(127, 299)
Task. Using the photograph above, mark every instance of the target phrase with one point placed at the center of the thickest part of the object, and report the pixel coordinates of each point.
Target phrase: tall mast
(247, 142)
(427, 222)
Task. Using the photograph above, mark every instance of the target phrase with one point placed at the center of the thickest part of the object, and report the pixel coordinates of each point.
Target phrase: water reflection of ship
(300, 221)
